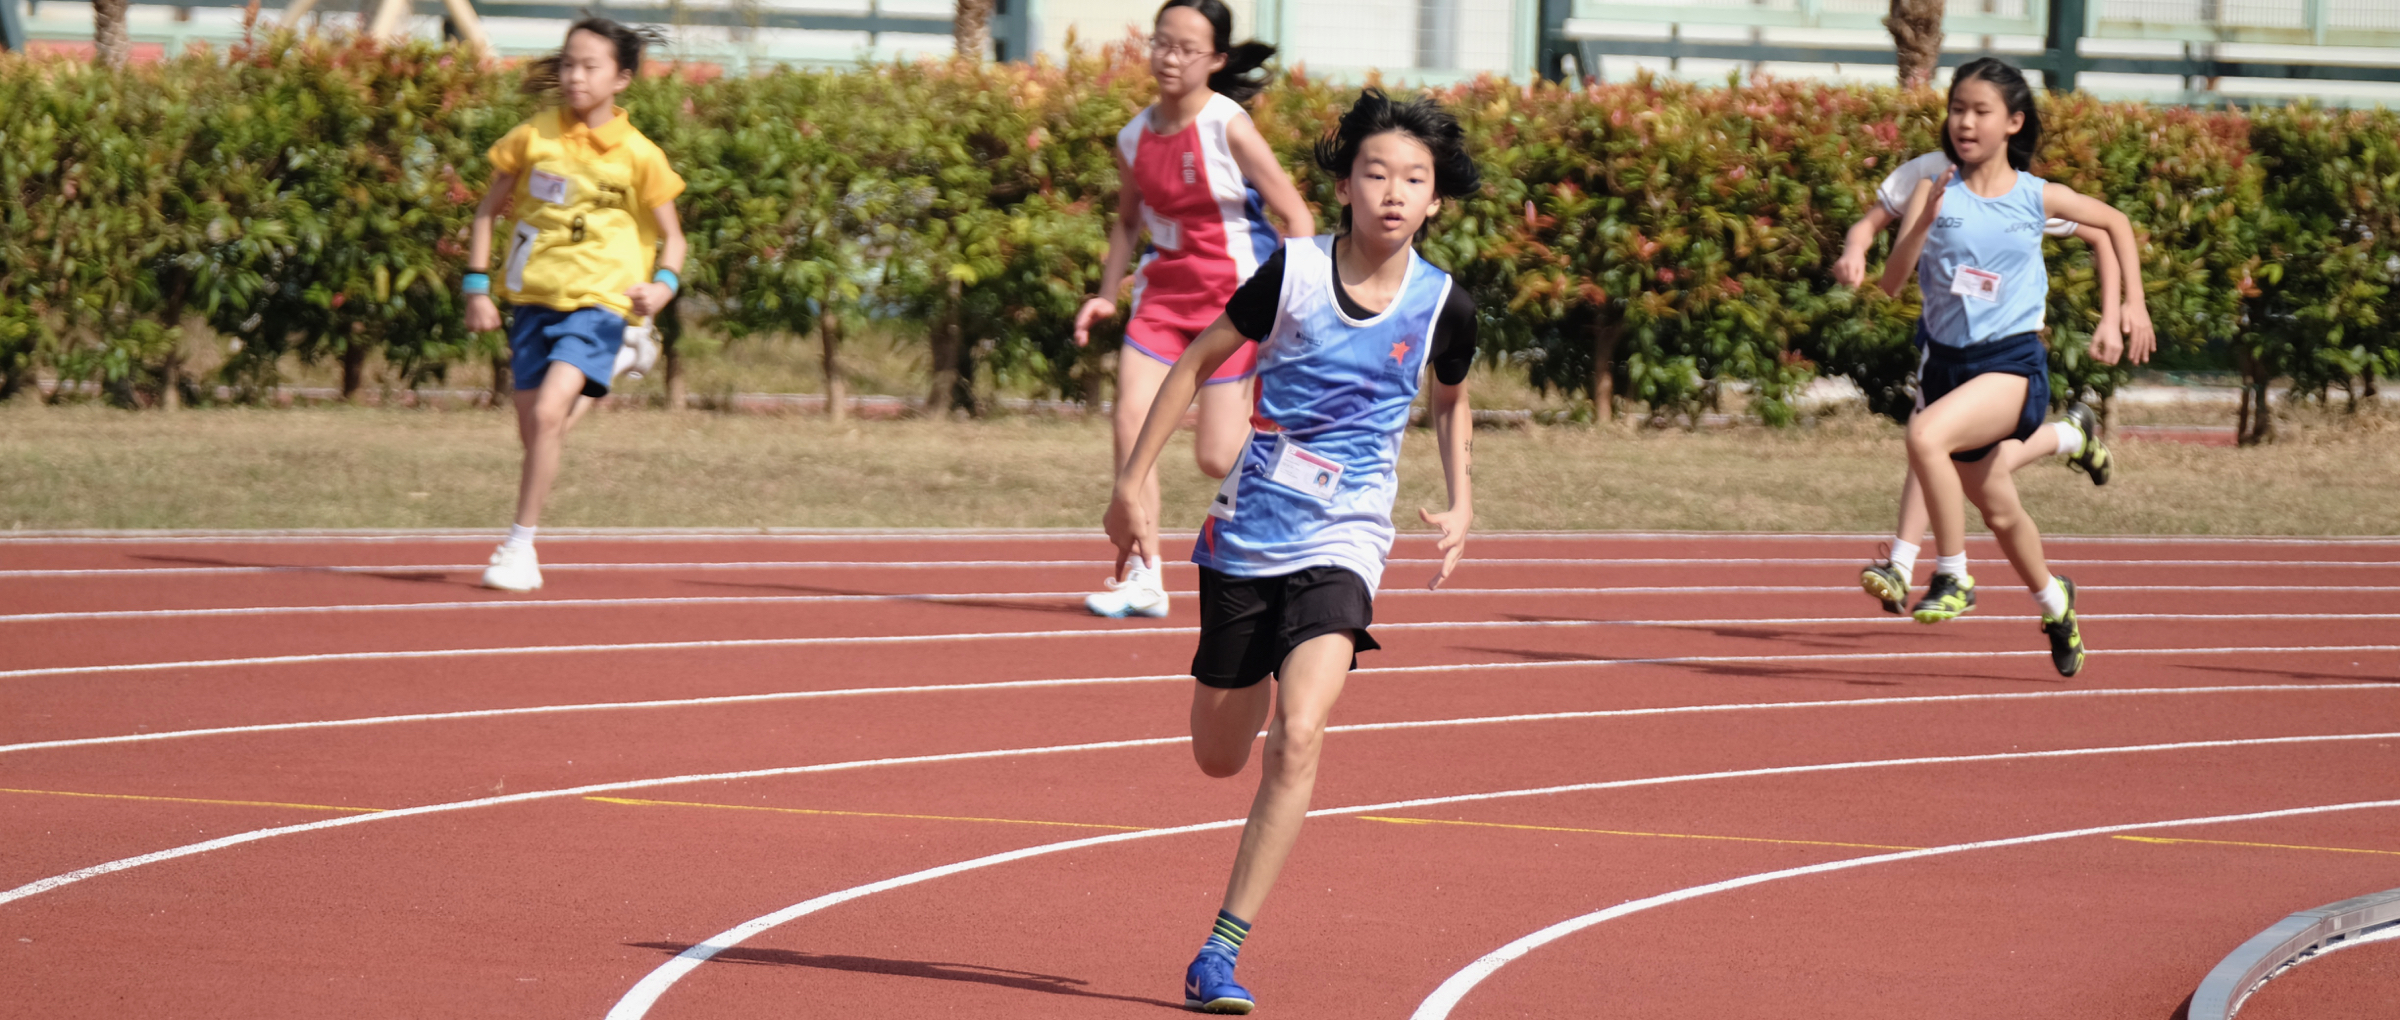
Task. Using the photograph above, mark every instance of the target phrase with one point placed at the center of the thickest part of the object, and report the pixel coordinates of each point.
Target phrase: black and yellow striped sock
(1226, 938)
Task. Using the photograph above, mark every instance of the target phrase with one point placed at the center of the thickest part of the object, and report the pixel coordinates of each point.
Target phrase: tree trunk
(1604, 368)
(109, 41)
(170, 374)
(971, 29)
(946, 342)
(504, 385)
(1916, 27)
(354, 369)
(669, 321)
(2256, 423)
(837, 388)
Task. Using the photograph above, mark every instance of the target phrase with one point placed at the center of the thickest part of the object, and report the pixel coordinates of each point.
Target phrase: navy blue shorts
(1947, 368)
(587, 338)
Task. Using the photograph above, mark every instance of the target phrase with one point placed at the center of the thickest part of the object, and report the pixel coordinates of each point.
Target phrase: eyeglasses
(1166, 51)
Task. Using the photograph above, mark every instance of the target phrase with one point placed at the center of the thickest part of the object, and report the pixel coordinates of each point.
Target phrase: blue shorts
(587, 338)
(1947, 368)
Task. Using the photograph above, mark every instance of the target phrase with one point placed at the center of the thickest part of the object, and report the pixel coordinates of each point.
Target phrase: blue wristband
(667, 276)
(477, 283)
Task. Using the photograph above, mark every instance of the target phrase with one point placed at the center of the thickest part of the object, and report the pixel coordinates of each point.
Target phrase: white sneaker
(513, 569)
(1141, 593)
(640, 352)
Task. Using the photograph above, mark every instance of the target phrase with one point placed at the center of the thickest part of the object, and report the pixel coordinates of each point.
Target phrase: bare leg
(541, 424)
(1225, 723)
(1224, 426)
(583, 406)
(1138, 378)
(1308, 684)
(1982, 411)
(2012, 456)
(1994, 491)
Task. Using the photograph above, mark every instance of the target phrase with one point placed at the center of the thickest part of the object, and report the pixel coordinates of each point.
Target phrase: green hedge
(1654, 240)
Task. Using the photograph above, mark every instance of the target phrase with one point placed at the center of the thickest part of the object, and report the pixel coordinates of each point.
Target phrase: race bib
(520, 248)
(1221, 507)
(1165, 235)
(1980, 284)
(1300, 469)
(548, 187)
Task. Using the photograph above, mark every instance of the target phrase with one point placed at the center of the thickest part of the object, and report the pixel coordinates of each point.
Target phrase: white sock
(520, 536)
(2070, 438)
(2053, 600)
(1955, 566)
(1904, 557)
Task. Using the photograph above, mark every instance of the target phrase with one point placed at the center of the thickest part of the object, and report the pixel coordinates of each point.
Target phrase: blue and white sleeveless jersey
(1981, 271)
(1316, 482)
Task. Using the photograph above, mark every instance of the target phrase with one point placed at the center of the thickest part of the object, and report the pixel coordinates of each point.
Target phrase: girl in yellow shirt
(593, 200)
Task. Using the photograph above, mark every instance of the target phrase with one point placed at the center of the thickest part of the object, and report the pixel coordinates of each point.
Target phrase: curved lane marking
(1099, 564)
(995, 685)
(1446, 997)
(644, 994)
(71, 536)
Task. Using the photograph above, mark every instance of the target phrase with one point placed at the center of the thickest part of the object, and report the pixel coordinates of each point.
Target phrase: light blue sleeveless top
(1316, 482)
(1981, 271)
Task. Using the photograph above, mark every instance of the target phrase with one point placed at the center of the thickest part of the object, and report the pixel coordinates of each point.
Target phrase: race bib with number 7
(1980, 284)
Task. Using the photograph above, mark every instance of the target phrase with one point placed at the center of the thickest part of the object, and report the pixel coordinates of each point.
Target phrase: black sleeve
(1454, 337)
(1253, 306)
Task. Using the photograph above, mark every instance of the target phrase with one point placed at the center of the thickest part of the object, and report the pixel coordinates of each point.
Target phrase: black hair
(541, 76)
(2014, 93)
(1454, 172)
(1244, 74)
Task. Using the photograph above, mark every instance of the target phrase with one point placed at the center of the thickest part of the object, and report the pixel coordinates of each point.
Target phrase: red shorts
(1166, 343)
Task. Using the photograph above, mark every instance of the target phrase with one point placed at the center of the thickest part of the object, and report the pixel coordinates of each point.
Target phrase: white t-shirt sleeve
(1902, 182)
(2059, 228)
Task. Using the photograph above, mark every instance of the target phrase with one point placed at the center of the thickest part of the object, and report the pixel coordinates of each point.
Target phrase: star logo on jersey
(1400, 352)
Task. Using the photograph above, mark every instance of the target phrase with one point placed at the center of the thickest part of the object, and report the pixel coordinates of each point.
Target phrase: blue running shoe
(1209, 987)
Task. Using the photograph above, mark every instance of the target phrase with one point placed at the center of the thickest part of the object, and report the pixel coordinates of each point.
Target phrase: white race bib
(520, 248)
(548, 187)
(1295, 466)
(1980, 284)
(1165, 234)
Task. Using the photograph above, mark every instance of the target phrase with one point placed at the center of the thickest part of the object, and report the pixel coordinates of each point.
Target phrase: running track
(904, 776)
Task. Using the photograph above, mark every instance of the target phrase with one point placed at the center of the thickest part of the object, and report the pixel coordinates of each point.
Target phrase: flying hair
(2015, 94)
(1454, 172)
(1244, 75)
(541, 76)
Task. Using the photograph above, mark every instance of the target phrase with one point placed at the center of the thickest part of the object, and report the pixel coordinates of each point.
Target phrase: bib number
(548, 187)
(1980, 284)
(520, 248)
(1299, 468)
(1165, 235)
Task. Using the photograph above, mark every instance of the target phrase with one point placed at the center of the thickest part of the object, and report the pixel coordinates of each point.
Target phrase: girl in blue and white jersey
(1294, 544)
(1977, 253)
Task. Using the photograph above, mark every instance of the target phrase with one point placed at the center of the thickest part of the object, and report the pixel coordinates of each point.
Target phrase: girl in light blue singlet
(1293, 546)
(1985, 377)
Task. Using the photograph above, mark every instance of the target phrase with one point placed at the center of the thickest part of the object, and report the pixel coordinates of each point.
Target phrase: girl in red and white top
(1198, 178)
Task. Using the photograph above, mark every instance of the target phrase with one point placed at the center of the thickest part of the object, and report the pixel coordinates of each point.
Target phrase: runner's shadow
(1027, 606)
(388, 575)
(968, 972)
(2294, 674)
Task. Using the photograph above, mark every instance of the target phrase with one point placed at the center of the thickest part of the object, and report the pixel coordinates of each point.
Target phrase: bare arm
(2108, 341)
(649, 297)
(2068, 204)
(1454, 430)
(482, 314)
(1915, 227)
(1850, 269)
(1259, 166)
(1129, 524)
(1121, 236)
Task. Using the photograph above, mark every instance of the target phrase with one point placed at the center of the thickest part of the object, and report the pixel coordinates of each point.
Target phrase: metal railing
(2291, 942)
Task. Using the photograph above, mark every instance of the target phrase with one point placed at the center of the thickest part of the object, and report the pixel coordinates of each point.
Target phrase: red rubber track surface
(1672, 656)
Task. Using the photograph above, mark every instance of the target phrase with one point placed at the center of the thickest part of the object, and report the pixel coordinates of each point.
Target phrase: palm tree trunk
(971, 29)
(837, 388)
(108, 33)
(1916, 27)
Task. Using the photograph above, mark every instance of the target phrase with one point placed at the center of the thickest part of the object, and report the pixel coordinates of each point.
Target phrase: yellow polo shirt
(584, 229)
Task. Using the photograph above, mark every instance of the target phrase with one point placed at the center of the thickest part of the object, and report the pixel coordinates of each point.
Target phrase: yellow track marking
(859, 814)
(199, 800)
(1615, 832)
(2263, 846)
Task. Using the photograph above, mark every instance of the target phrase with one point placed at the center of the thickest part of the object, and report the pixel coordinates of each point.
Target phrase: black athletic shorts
(1947, 368)
(1249, 624)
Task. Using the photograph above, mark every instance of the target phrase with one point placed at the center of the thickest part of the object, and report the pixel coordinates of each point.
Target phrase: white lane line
(1100, 631)
(638, 1000)
(1446, 997)
(998, 685)
(1095, 564)
(1023, 596)
(487, 535)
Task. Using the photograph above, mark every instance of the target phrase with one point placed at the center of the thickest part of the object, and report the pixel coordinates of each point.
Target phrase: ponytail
(1244, 76)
